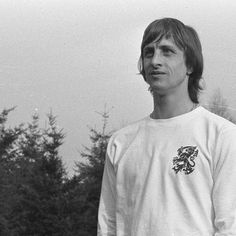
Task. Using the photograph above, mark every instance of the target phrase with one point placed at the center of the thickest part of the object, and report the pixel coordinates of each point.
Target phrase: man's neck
(168, 106)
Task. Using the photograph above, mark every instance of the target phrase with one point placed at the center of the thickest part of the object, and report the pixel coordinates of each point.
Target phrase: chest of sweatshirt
(168, 163)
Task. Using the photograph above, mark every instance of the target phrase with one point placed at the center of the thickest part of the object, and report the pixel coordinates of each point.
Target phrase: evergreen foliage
(32, 177)
(8, 165)
(90, 177)
(36, 196)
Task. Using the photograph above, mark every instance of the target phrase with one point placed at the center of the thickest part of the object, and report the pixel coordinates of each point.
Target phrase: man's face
(164, 66)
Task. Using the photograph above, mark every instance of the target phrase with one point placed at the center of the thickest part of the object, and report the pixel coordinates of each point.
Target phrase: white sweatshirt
(171, 177)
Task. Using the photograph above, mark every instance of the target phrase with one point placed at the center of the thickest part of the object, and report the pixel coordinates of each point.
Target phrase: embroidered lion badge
(184, 161)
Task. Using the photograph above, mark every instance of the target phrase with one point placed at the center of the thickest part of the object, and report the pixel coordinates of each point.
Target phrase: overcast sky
(75, 56)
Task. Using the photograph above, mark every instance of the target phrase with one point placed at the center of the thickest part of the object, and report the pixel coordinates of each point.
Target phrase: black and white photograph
(117, 118)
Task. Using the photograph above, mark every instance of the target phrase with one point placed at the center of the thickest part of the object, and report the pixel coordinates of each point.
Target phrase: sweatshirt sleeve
(107, 205)
(224, 190)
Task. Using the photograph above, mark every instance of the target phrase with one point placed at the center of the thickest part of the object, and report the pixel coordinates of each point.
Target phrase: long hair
(186, 38)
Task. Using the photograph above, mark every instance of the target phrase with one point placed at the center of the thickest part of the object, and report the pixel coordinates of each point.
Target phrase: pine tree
(8, 165)
(89, 178)
(41, 175)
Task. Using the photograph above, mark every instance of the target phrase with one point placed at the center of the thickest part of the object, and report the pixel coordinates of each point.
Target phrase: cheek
(145, 63)
(145, 66)
(179, 68)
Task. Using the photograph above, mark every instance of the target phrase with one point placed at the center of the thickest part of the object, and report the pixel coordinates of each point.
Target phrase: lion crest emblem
(185, 159)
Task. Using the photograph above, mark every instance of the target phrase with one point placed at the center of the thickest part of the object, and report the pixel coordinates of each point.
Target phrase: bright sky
(75, 56)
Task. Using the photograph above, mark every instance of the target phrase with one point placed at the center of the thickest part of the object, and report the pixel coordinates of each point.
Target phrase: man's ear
(189, 71)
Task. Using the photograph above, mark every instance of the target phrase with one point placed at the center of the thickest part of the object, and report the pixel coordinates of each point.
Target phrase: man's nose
(157, 58)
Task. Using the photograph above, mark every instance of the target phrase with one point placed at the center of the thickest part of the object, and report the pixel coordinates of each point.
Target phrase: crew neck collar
(181, 117)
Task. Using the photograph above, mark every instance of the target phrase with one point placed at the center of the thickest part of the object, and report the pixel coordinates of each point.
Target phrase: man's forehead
(163, 42)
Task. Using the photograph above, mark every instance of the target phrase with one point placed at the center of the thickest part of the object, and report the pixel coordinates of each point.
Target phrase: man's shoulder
(222, 123)
(128, 131)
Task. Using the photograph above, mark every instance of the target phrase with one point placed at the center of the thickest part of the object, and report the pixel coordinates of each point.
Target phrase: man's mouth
(157, 73)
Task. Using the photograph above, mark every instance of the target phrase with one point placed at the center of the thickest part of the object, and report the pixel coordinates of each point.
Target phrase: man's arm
(107, 206)
(224, 191)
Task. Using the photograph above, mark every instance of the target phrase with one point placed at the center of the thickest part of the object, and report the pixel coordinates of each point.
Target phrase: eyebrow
(167, 47)
(147, 48)
(164, 46)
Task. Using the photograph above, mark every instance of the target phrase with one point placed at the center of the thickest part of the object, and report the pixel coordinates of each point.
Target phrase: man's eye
(167, 51)
(148, 53)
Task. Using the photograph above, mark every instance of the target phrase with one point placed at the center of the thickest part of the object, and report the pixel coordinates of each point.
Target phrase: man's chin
(157, 90)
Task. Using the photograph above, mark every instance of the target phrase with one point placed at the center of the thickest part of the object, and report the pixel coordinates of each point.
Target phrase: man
(172, 173)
